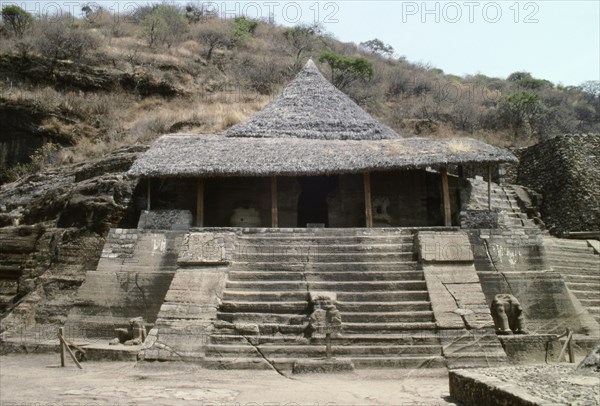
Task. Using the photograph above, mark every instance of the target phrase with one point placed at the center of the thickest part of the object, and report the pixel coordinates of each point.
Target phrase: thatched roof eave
(220, 156)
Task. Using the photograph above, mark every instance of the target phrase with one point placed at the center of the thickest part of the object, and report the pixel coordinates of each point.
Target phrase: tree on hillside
(526, 81)
(520, 110)
(215, 35)
(302, 39)
(16, 20)
(61, 39)
(243, 28)
(378, 47)
(164, 24)
(346, 69)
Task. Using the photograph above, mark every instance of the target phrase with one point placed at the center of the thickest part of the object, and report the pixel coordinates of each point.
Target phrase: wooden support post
(490, 187)
(62, 347)
(570, 348)
(148, 193)
(446, 197)
(200, 202)
(368, 202)
(274, 212)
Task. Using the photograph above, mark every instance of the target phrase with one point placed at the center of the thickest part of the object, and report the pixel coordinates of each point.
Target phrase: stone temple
(311, 232)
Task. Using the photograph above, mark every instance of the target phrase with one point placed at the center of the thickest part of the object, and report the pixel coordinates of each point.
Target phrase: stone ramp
(131, 280)
(579, 265)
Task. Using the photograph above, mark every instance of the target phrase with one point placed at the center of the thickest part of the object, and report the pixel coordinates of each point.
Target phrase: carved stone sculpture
(508, 315)
(135, 334)
(325, 318)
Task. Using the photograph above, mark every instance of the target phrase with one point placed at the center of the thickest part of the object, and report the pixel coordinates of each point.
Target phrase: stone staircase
(504, 199)
(579, 265)
(386, 313)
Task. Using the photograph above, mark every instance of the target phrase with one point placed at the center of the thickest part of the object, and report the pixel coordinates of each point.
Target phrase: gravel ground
(559, 384)
(35, 380)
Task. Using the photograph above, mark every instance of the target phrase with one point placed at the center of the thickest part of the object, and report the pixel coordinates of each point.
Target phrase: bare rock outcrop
(52, 229)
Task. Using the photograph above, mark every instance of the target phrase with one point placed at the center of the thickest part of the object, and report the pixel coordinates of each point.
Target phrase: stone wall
(566, 170)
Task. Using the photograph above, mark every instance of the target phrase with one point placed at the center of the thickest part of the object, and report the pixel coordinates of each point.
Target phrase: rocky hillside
(93, 84)
(53, 229)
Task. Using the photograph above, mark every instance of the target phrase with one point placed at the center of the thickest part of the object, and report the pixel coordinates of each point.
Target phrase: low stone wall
(566, 170)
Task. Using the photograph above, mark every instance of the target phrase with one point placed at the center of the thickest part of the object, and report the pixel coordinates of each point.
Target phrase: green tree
(520, 111)
(302, 39)
(526, 81)
(243, 28)
(16, 20)
(346, 69)
(163, 25)
(378, 47)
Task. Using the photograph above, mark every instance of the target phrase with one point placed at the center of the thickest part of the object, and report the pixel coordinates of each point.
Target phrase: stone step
(246, 296)
(265, 307)
(404, 362)
(387, 317)
(590, 302)
(395, 296)
(326, 267)
(560, 250)
(386, 327)
(252, 329)
(253, 317)
(324, 232)
(563, 242)
(564, 270)
(337, 286)
(319, 257)
(220, 337)
(418, 337)
(245, 363)
(316, 249)
(383, 306)
(574, 277)
(585, 286)
(325, 276)
(580, 294)
(574, 261)
(319, 351)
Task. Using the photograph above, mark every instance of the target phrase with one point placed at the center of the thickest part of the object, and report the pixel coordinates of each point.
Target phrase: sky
(555, 40)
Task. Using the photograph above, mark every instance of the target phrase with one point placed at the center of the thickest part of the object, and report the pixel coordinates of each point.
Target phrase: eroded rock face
(52, 228)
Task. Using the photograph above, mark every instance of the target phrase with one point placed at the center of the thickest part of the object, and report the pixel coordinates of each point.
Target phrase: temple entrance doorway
(312, 202)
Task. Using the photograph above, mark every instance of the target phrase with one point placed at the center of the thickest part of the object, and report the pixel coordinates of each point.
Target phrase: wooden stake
(570, 348)
(200, 202)
(66, 345)
(490, 187)
(274, 212)
(368, 203)
(565, 345)
(446, 197)
(148, 195)
(62, 347)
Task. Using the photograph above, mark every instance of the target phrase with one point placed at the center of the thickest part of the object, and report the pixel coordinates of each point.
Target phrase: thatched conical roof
(311, 107)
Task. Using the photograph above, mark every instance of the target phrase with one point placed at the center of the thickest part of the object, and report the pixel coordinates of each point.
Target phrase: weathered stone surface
(566, 170)
(207, 248)
(457, 300)
(532, 348)
(165, 220)
(444, 247)
(131, 280)
(184, 323)
(323, 366)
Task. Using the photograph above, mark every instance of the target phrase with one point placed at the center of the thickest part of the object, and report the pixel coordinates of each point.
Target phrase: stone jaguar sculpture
(135, 334)
(507, 314)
